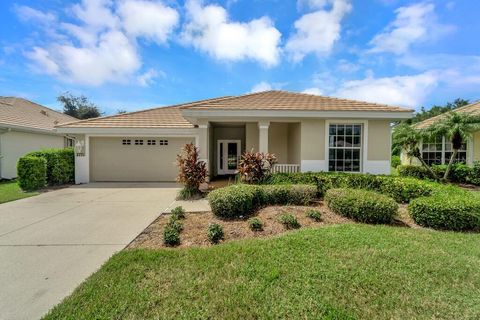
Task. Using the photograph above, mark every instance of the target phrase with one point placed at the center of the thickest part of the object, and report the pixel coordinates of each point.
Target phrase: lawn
(349, 271)
(9, 191)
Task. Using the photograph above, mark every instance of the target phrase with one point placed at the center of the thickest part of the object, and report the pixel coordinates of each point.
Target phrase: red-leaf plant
(255, 166)
(192, 172)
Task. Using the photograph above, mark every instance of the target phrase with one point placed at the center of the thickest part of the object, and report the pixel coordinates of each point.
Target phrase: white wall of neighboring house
(15, 144)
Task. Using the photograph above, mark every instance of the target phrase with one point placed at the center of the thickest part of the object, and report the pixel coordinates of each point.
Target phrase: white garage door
(135, 159)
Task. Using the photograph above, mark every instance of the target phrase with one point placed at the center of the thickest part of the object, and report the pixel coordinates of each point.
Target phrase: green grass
(337, 272)
(9, 191)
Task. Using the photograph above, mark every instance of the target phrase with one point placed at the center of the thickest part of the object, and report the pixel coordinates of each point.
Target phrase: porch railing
(286, 168)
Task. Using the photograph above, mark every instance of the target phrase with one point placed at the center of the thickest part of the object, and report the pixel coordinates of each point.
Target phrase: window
(163, 142)
(344, 147)
(138, 142)
(439, 151)
(151, 142)
(126, 142)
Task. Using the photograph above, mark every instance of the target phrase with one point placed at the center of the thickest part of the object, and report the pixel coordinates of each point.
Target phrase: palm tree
(408, 138)
(457, 128)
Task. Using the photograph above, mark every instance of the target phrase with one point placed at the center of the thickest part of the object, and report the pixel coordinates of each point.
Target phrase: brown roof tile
(473, 108)
(20, 112)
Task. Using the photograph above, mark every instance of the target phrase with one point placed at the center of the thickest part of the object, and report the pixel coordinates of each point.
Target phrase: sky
(134, 54)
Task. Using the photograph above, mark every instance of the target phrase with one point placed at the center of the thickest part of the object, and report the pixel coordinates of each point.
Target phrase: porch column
(263, 136)
(202, 141)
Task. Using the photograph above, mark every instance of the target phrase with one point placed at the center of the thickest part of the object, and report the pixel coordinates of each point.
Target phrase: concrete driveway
(51, 242)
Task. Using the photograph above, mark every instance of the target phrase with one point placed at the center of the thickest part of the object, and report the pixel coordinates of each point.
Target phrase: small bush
(192, 171)
(456, 213)
(474, 177)
(289, 221)
(255, 224)
(361, 205)
(179, 212)
(395, 161)
(32, 173)
(460, 172)
(234, 201)
(60, 165)
(289, 194)
(188, 193)
(171, 236)
(215, 233)
(413, 171)
(175, 223)
(314, 215)
(404, 190)
(255, 166)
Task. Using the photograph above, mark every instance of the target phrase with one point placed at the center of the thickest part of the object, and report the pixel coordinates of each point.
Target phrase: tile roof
(473, 108)
(19, 112)
(171, 117)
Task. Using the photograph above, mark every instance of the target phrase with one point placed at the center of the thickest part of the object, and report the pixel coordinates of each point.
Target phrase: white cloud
(317, 32)
(314, 91)
(261, 86)
(347, 67)
(28, 14)
(413, 24)
(96, 13)
(148, 19)
(209, 29)
(148, 77)
(408, 91)
(42, 58)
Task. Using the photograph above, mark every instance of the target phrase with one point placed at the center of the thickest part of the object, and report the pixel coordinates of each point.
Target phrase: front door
(228, 156)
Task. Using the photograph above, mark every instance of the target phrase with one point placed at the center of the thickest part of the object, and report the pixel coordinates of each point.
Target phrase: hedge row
(361, 205)
(459, 172)
(59, 168)
(403, 190)
(242, 200)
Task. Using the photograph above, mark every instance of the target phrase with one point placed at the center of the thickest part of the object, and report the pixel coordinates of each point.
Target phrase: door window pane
(232, 156)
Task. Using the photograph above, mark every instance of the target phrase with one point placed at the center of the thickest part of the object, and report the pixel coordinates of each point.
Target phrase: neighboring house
(305, 132)
(439, 150)
(24, 127)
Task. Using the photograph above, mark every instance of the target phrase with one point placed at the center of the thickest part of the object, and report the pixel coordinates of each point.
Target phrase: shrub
(179, 212)
(171, 236)
(32, 173)
(175, 223)
(361, 205)
(192, 171)
(60, 165)
(255, 166)
(395, 161)
(474, 177)
(289, 221)
(289, 194)
(314, 215)
(234, 201)
(413, 171)
(215, 233)
(447, 213)
(404, 190)
(255, 224)
(460, 172)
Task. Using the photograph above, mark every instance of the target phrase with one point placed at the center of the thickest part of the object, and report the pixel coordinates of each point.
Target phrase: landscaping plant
(32, 173)
(179, 212)
(255, 224)
(215, 233)
(192, 172)
(171, 236)
(289, 221)
(314, 215)
(255, 166)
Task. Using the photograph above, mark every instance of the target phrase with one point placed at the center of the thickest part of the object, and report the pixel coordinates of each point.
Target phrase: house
(439, 149)
(24, 127)
(305, 132)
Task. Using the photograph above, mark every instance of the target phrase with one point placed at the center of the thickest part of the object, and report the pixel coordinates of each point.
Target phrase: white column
(82, 161)
(263, 136)
(202, 142)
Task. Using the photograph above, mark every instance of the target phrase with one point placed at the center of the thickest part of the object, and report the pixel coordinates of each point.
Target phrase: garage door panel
(110, 160)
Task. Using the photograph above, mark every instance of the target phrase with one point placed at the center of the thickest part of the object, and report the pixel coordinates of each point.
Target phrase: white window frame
(444, 160)
(360, 148)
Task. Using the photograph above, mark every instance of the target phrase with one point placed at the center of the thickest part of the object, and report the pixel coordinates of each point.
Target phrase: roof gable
(473, 108)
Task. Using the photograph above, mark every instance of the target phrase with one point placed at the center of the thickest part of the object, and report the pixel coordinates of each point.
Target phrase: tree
(437, 110)
(121, 111)
(456, 127)
(407, 138)
(78, 106)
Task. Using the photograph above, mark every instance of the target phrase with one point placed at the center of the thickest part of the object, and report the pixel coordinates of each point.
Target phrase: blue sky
(133, 54)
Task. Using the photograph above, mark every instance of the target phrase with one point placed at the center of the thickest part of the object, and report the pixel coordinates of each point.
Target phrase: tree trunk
(434, 175)
(452, 158)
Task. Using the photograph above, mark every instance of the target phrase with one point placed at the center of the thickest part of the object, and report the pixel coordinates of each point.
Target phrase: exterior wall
(294, 143)
(251, 136)
(278, 141)
(378, 147)
(476, 146)
(15, 144)
(226, 133)
(312, 146)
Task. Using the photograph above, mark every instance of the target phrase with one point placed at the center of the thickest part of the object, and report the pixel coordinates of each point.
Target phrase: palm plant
(408, 138)
(457, 128)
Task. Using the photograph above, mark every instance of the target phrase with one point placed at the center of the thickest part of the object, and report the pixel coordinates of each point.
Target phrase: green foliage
(404, 190)
(413, 171)
(10, 191)
(32, 173)
(171, 236)
(60, 165)
(215, 233)
(475, 173)
(361, 205)
(175, 223)
(289, 221)
(78, 106)
(192, 172)
(255, 166)
(255, 224)
(436, 110)
(314, 215)
(289, 194)
(454, 212)
(178, 212)
(459, 172)
(395, 161)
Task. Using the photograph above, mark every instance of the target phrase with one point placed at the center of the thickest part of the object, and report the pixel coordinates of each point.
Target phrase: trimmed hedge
(60, 165)
(403, 190)
(413, 171)
(32, 173)
(242, 200)
(459, 172)
(361, 205)
(458, 213)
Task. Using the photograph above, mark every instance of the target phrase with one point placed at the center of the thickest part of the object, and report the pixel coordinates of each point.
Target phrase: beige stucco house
(24, 127)
(305, 132)
(439, 150)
